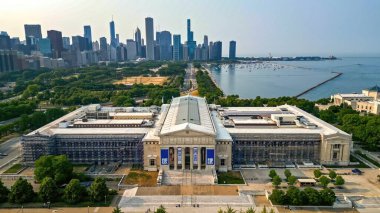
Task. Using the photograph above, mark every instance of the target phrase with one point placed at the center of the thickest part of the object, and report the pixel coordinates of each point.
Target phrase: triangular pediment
(188, 129)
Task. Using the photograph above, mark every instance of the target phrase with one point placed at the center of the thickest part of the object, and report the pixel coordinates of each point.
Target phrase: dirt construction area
(142, 80)
(187, 190)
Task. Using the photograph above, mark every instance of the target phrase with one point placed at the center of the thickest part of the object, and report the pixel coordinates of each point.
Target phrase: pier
(337, 74)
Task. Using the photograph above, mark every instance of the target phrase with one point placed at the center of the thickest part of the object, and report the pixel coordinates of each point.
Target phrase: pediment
(188, 129)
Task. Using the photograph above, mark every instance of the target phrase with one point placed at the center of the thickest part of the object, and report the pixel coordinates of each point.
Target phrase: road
(8, 121)
(190, 82)
(12, 148)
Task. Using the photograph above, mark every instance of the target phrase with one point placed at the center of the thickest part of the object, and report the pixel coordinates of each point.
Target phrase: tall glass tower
(88, 36)
(113, 35)
(149, 38)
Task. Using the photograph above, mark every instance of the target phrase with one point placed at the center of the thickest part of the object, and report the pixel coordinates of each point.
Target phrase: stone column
(199, 158)
(183, 158)
(191, 158)
(175, 158)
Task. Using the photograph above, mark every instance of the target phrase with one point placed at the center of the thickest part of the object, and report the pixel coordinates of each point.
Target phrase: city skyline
(281, 28)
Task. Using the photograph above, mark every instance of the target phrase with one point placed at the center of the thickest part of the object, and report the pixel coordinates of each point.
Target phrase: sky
(260, 27)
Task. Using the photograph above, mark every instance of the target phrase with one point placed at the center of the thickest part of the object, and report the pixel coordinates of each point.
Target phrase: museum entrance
(187, 158)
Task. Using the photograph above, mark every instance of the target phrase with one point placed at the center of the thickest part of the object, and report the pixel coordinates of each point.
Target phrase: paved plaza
(186, 177)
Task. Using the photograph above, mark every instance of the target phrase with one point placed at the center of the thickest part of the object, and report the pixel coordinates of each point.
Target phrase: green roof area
(188, 111)
(374, 88)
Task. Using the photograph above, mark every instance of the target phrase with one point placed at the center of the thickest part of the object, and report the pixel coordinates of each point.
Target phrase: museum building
(188, 133)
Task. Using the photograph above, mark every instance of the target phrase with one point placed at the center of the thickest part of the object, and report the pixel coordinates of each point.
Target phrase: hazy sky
(260, 27)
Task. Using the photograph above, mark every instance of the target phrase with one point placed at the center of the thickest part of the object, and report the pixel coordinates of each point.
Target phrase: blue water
(293, 77)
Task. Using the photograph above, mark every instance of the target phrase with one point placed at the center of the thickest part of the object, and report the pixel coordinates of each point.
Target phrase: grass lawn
(141, 178)
(14, 169)
(80, 168)
(230, 177)
(369, 159)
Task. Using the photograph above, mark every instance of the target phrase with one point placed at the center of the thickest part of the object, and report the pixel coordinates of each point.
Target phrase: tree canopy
(58, 168)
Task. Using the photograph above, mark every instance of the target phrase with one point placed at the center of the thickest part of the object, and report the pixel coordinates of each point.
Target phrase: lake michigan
(290, 78)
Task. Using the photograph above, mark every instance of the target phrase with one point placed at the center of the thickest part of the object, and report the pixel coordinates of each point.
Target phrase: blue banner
(179, 154)
(210, 156)
(195, 155)
(164, 156)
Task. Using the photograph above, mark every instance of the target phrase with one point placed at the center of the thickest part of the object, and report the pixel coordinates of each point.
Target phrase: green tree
(272, 173)
(294, 196)
(339, 180)
(98, 189)
(74, 192)
(313, 196)
(327, 197)
(332, 174)
(117, 210)
(4, 191)
(276, 181)
(287, 174)
(161, 209)
(292, 180)
(21, 192)
(278, 197)
(317, 173)
(31, 91)
(57, 167)
(324, 181)
(48, 190)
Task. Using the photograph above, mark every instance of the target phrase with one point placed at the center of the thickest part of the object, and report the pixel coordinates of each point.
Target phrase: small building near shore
(368, 101)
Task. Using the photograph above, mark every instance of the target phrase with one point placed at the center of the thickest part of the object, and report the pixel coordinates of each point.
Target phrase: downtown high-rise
(149, 35)
(88, 35)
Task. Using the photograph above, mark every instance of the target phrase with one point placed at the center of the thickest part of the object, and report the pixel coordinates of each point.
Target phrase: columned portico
(187, 158)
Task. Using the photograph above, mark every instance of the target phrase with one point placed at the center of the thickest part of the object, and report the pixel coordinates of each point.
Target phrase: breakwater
(337, 74)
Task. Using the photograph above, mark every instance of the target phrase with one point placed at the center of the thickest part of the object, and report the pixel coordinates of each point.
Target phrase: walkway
(187, 177)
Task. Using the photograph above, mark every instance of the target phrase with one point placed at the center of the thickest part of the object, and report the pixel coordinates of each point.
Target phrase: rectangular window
(152, 162)
(336, 146)
(222, 162)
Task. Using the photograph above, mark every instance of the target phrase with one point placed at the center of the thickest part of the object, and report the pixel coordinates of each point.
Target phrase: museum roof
(311, 125)
(188, 113)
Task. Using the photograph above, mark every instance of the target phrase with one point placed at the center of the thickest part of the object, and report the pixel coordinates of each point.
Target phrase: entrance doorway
(203, 158)
(187, 158)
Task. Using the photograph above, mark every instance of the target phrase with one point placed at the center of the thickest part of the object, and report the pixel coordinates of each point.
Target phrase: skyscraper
(33, 30)
(45, 46)
(66, 43)
(232, 54)
(131, 49)
(190, 34)
(103, 49)
(79, 43)
(5, 42)
(56, 42)
(88, 36)
(149, 38)
(177, 47)
(191, 44)
(205, 41)
(138, 42)
(217, 50)
(112, 33)
(165, 46)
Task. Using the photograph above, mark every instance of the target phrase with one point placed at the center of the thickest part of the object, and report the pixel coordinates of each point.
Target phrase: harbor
(311, 80)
